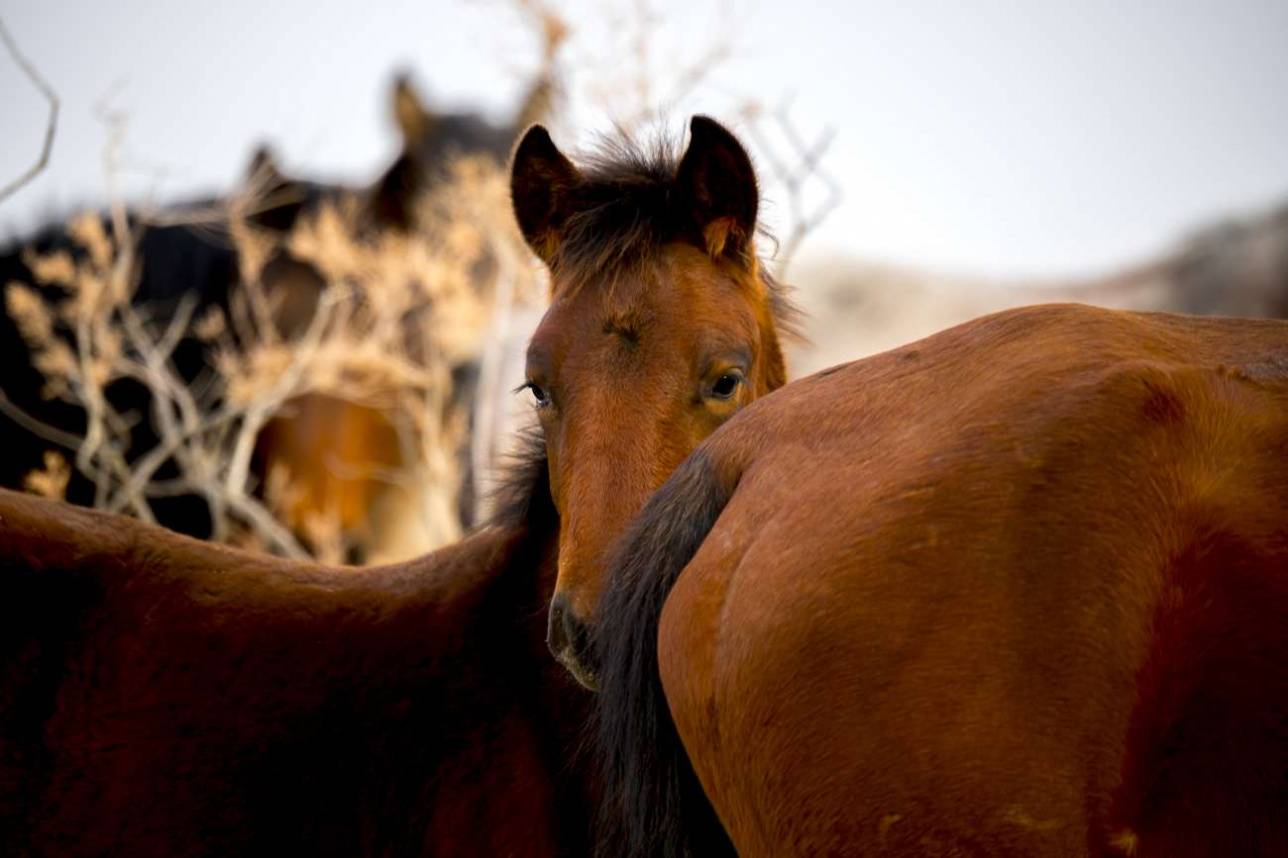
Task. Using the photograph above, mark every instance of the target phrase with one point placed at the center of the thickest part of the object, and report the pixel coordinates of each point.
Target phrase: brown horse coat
(1020, 588)
(161, 696)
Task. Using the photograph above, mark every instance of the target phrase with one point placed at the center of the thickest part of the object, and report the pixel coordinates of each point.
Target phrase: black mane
(653, 805)
(522, 497)
(624, 206)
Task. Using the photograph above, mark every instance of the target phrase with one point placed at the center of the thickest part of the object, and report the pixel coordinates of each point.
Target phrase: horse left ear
(413, 119)
(263, 169)
(718, 186)
(542, 181)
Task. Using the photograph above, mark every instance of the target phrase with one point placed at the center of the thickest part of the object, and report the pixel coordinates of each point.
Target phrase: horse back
(1041, 607)
(161, 696)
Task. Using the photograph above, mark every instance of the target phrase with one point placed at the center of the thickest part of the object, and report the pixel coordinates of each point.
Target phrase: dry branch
(368, 341)
(795, 173)
(51, 125)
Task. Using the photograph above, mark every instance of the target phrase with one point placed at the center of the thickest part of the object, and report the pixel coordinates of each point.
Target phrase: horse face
(652, 340)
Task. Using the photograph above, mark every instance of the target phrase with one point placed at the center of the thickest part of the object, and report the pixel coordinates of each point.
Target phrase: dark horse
(1020, 588)
(199, 262)
(161, 696)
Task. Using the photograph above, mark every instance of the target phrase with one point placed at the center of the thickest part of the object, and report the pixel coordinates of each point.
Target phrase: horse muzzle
(569, 641)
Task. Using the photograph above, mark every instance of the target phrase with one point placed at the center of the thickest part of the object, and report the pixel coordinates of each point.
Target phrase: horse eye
(539, 393)
(726, 385)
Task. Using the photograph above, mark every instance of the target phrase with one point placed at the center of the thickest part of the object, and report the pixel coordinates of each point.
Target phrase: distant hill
(1238, 267)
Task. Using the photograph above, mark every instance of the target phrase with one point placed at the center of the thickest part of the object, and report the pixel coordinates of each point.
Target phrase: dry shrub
(51, 480)
(381, 327)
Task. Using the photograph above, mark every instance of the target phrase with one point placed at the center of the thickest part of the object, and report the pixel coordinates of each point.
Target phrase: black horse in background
(432, 139)
(187, 255)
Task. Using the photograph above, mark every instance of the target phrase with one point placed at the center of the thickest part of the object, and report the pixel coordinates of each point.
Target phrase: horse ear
(541, 184)
(718, 186)
(263, 169)
(414, 120)
(277, 199)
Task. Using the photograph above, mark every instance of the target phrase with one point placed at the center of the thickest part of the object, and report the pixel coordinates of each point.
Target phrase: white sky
(992, 137)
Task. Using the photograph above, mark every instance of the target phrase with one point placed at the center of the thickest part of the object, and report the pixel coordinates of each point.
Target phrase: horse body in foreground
(162, 696)
(1020, 588)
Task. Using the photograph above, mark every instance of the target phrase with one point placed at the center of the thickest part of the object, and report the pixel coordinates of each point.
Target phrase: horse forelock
(627, 209)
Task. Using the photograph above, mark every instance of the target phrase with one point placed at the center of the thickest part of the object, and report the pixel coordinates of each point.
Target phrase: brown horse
(161, 696)
(1020, 588)
(662, 325)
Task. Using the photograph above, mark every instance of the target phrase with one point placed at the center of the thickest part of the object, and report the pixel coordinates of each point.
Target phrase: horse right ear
(717, 184)
(541, 183)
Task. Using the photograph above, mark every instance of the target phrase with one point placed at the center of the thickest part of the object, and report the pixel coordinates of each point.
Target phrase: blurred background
(265, 288)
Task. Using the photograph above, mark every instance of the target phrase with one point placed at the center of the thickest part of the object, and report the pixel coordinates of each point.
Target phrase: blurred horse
(332, 450)
(1018, 589)
(356, 438)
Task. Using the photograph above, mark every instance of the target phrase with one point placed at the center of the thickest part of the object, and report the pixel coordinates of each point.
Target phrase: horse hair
(627, 210)
(657, 809)
(522, 495)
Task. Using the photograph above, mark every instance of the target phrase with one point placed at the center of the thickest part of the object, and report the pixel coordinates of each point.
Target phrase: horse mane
(658, 809)
(522, 495)
(626, 212)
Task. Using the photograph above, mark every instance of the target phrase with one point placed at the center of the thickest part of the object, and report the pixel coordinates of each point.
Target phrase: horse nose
(564, 630)
(556, 631)
(568, 638)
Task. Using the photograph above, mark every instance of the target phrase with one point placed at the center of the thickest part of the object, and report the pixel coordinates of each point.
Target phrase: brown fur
(161, 696)
(1017, 589)
(336, 454)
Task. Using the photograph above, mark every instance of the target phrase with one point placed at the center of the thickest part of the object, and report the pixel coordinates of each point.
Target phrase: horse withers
(1020, 588)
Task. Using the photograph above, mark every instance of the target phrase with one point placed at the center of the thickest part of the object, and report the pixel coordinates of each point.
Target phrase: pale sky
(984, 137)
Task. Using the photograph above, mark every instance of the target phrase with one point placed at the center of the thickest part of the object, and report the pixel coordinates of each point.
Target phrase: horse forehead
(584, 316)
(657, 315)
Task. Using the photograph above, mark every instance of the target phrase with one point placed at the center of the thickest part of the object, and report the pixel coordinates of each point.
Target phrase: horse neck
(484, 584)
(494, 680)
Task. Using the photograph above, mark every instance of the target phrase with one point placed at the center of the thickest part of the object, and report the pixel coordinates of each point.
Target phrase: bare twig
(795, 174)
(37, 427)
(51, 125)
(631, 84)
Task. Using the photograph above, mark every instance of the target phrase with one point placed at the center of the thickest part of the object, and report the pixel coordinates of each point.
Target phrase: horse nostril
(575, 633)
(569, 641)
(557, 638)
